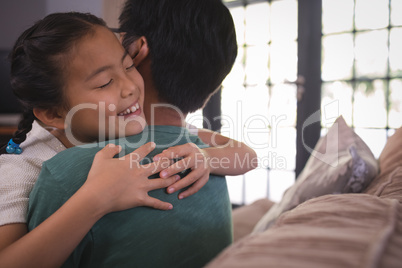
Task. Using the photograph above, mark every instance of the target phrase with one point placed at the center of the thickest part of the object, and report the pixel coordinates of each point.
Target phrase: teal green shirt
(190, 235)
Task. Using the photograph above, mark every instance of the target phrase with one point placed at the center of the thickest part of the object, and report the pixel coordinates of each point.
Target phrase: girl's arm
(225, 157)
(230, 157)
(113, 184)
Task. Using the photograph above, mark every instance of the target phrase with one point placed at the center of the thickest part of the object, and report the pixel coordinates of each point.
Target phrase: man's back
(190, 235)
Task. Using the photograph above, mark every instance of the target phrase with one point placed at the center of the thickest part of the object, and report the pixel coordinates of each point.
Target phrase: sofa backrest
(388, 183)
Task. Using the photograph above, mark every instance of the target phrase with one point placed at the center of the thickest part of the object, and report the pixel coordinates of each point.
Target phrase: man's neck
(158, 112)
(164, 114)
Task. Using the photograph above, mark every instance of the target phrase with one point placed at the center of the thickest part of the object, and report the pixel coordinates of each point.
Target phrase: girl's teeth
(131, 110)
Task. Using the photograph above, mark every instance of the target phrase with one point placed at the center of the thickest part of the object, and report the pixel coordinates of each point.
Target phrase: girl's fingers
(109, 151)
(156, 167)
(168, 153)
(194, 188)
(141, 152)
(157, 204)
(162, 183)
(176, 151)
(179, 166)
(186, 181)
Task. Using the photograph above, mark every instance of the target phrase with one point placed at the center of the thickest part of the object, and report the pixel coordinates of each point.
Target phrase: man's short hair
(192, 46)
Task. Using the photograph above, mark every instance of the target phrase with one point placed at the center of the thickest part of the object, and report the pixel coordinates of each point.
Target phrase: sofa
(361, 227)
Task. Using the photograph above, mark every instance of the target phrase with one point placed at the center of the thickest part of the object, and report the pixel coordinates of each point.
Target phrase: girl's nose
(128, 87)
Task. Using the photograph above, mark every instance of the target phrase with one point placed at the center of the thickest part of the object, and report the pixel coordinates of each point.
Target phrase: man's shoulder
(82, 155)
(168, 136)
(73, 164)
(72, 158)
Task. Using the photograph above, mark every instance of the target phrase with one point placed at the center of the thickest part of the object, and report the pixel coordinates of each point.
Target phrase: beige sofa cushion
(350, 230)
(391, 155)
(340, 163)
(388, 183)
(246, 217)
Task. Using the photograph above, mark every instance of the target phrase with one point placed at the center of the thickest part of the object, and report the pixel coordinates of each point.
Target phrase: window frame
(309, 51)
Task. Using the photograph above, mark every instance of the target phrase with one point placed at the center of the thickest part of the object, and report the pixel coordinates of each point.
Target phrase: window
(359, 76)
(362, 66)
(259, 97)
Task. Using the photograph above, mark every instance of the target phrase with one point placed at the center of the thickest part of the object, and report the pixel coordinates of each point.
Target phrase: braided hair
(38, 59)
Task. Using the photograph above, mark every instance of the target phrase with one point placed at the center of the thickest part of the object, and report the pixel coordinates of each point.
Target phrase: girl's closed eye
(131, 66)
(108, 83)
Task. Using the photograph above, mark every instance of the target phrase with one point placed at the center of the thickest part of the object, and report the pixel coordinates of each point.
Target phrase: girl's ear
(121, 37)
(50, 117)
(139, 50)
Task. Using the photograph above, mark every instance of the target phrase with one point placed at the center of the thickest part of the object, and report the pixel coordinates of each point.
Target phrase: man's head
(192, 46)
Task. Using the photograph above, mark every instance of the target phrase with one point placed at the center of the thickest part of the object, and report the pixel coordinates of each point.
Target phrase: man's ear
(50, 117)
(139, 50)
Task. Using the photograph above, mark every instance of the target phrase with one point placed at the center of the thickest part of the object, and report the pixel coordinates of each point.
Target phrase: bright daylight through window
(361, 80)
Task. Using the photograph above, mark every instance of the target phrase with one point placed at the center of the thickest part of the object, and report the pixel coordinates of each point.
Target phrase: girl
(39, 66)
(46, 76)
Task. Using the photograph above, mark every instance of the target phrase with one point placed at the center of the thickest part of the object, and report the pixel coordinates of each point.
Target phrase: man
(183, 49)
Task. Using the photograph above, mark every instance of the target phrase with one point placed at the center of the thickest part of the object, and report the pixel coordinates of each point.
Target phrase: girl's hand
(122, 183)
(193, 158)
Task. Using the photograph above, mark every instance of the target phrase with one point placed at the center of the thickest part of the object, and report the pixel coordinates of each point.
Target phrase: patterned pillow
(340, 163)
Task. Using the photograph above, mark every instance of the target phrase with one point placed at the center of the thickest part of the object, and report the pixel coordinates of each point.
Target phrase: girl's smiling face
(104, 91)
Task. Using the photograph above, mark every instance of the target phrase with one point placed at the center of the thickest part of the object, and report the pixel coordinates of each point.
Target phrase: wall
(17, 15)
(111, 12)
(91, 6)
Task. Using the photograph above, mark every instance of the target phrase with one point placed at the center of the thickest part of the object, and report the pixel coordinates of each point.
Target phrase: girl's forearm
(50, 244)
(227, 156)
(228, 160)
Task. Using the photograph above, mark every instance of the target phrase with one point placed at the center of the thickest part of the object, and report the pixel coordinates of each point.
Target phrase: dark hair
(38, 60)
(192, 46)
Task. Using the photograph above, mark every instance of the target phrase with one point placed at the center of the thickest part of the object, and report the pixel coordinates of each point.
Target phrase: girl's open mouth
(132, 110)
